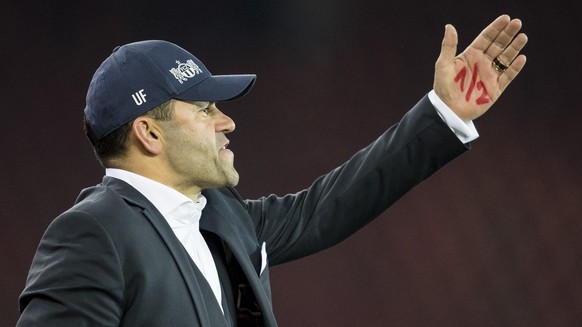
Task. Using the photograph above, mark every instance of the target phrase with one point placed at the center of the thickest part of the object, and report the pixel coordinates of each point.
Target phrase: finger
(504, 39)
(510, 52)
(484, 40)
(448, 46)
(511, 72)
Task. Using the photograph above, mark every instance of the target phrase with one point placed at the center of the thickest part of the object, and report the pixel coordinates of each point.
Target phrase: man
(165, 240)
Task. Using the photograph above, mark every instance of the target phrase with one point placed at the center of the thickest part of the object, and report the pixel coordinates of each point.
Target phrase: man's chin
(233, 180)
(228, 177)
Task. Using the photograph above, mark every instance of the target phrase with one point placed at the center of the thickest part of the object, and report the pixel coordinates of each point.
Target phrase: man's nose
(224, 123)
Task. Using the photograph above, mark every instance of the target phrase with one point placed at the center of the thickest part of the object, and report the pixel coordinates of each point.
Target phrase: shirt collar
(163, 197)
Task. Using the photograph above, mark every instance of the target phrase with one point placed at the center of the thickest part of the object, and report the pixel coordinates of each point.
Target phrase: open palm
(469, 83)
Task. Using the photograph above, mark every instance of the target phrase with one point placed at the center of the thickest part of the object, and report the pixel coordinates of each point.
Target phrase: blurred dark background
(493, 239)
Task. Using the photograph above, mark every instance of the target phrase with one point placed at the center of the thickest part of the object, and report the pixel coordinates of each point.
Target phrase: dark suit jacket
(112, 260)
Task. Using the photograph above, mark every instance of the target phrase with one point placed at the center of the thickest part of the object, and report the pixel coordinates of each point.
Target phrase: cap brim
(219, 88)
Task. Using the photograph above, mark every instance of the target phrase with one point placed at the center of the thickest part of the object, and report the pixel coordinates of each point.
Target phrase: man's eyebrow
(202, 104)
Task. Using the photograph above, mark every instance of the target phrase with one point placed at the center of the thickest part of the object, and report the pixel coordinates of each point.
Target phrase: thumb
(449, 46)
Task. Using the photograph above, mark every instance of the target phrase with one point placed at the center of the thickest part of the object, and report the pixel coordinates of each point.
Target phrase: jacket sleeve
(75, 278)
(339, 203)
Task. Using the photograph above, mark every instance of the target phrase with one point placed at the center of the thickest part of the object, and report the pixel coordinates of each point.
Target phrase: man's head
(143, 84)
(140, 76)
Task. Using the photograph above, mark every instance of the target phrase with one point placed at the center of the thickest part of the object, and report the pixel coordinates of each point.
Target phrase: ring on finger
(499, 66)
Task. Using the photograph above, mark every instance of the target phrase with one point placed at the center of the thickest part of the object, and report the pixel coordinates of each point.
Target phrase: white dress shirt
(183, 216)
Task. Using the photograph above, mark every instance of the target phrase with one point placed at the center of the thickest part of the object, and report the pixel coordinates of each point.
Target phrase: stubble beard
(231, 175)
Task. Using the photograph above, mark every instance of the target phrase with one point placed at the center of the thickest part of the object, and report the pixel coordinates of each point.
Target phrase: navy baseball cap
(140, 76)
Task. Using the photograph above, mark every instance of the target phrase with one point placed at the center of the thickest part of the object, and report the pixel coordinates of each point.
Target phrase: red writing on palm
(461, 76)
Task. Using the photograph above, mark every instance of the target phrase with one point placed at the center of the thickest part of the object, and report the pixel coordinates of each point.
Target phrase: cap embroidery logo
(186, 70)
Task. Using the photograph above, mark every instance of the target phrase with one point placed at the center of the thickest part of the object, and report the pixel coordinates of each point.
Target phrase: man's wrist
(464, 130)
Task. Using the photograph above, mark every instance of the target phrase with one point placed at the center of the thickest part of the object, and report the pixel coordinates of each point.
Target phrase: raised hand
(472, 81)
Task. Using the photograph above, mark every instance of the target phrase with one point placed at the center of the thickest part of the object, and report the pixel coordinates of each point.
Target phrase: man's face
(195, 146)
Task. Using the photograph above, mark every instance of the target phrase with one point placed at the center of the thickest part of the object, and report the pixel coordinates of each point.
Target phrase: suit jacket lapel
(213, 220)
(218, 217)
(167, 235)
(222, 219)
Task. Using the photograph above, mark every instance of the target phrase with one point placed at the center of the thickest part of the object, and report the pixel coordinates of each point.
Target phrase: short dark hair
(114, 145)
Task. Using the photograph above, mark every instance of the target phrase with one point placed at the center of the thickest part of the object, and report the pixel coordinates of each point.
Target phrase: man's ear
(148, 134)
